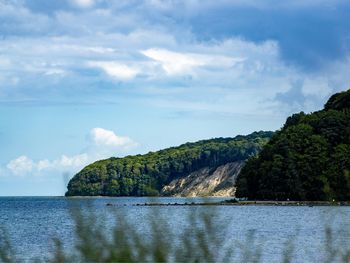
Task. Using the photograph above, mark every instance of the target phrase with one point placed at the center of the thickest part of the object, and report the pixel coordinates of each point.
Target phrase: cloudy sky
(82, 80)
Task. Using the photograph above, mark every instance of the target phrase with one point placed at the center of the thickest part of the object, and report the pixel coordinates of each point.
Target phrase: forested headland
(307, 159)
(145, 175)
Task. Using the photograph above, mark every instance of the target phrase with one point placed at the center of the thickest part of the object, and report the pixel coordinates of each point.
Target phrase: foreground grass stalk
(202, 239)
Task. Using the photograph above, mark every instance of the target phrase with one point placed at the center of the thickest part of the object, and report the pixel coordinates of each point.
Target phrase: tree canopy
(308, 159)
(145, 175)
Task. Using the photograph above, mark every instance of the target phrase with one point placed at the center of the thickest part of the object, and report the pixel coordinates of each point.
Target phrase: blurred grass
(7, 254)
(201, 240)
(198, 241)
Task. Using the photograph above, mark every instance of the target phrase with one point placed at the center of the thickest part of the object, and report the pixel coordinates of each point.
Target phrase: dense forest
(145, 175)
(308, 159)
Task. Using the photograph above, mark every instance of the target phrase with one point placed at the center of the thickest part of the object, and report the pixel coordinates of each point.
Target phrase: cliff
(206, 182)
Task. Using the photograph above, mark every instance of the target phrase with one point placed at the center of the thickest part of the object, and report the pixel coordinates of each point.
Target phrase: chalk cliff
(206, 182)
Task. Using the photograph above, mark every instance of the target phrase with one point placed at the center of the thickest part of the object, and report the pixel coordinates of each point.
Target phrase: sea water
(31, 223)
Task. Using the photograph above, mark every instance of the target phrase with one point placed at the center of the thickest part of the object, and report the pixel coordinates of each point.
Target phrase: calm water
(32, 222)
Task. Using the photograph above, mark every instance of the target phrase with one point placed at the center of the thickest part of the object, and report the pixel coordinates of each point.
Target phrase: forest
(145, 175)
(308, 159)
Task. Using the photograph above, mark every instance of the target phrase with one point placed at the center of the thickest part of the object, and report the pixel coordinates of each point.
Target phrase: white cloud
(173, 62)
(21, 165)
(183, 63)
(115, 69)
(64, 163)
(107, 138)
(83, 3)
(112, 37)
(100, 50)
(74, 161)
(5, 63)
(102, 144)
(317, 87)
(55, 71)
(43, 165)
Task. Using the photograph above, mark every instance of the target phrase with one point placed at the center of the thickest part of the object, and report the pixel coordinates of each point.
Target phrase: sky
(83, 80)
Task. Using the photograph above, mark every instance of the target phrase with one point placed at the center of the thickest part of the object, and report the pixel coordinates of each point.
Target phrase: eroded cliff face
(206, 182)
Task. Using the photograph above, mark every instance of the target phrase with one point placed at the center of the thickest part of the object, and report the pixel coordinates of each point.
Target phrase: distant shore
(234, 202)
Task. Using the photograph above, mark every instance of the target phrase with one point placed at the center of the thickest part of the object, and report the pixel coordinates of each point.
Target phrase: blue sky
(82, 80)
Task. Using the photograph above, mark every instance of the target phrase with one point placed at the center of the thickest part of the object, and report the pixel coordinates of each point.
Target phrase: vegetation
(123, 242)
(308, 159)
(156, 242)
(145, 175)
(203, 239)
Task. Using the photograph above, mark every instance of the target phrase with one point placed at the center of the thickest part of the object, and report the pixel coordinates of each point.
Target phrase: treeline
(145, 175)
(308, 159)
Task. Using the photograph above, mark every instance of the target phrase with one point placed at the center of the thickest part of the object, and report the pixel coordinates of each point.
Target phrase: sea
(31, 224)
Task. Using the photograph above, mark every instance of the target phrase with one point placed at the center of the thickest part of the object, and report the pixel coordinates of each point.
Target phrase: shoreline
(248, 203)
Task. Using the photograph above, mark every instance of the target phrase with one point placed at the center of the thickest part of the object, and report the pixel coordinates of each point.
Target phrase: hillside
(308, 159)
(150, 174)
